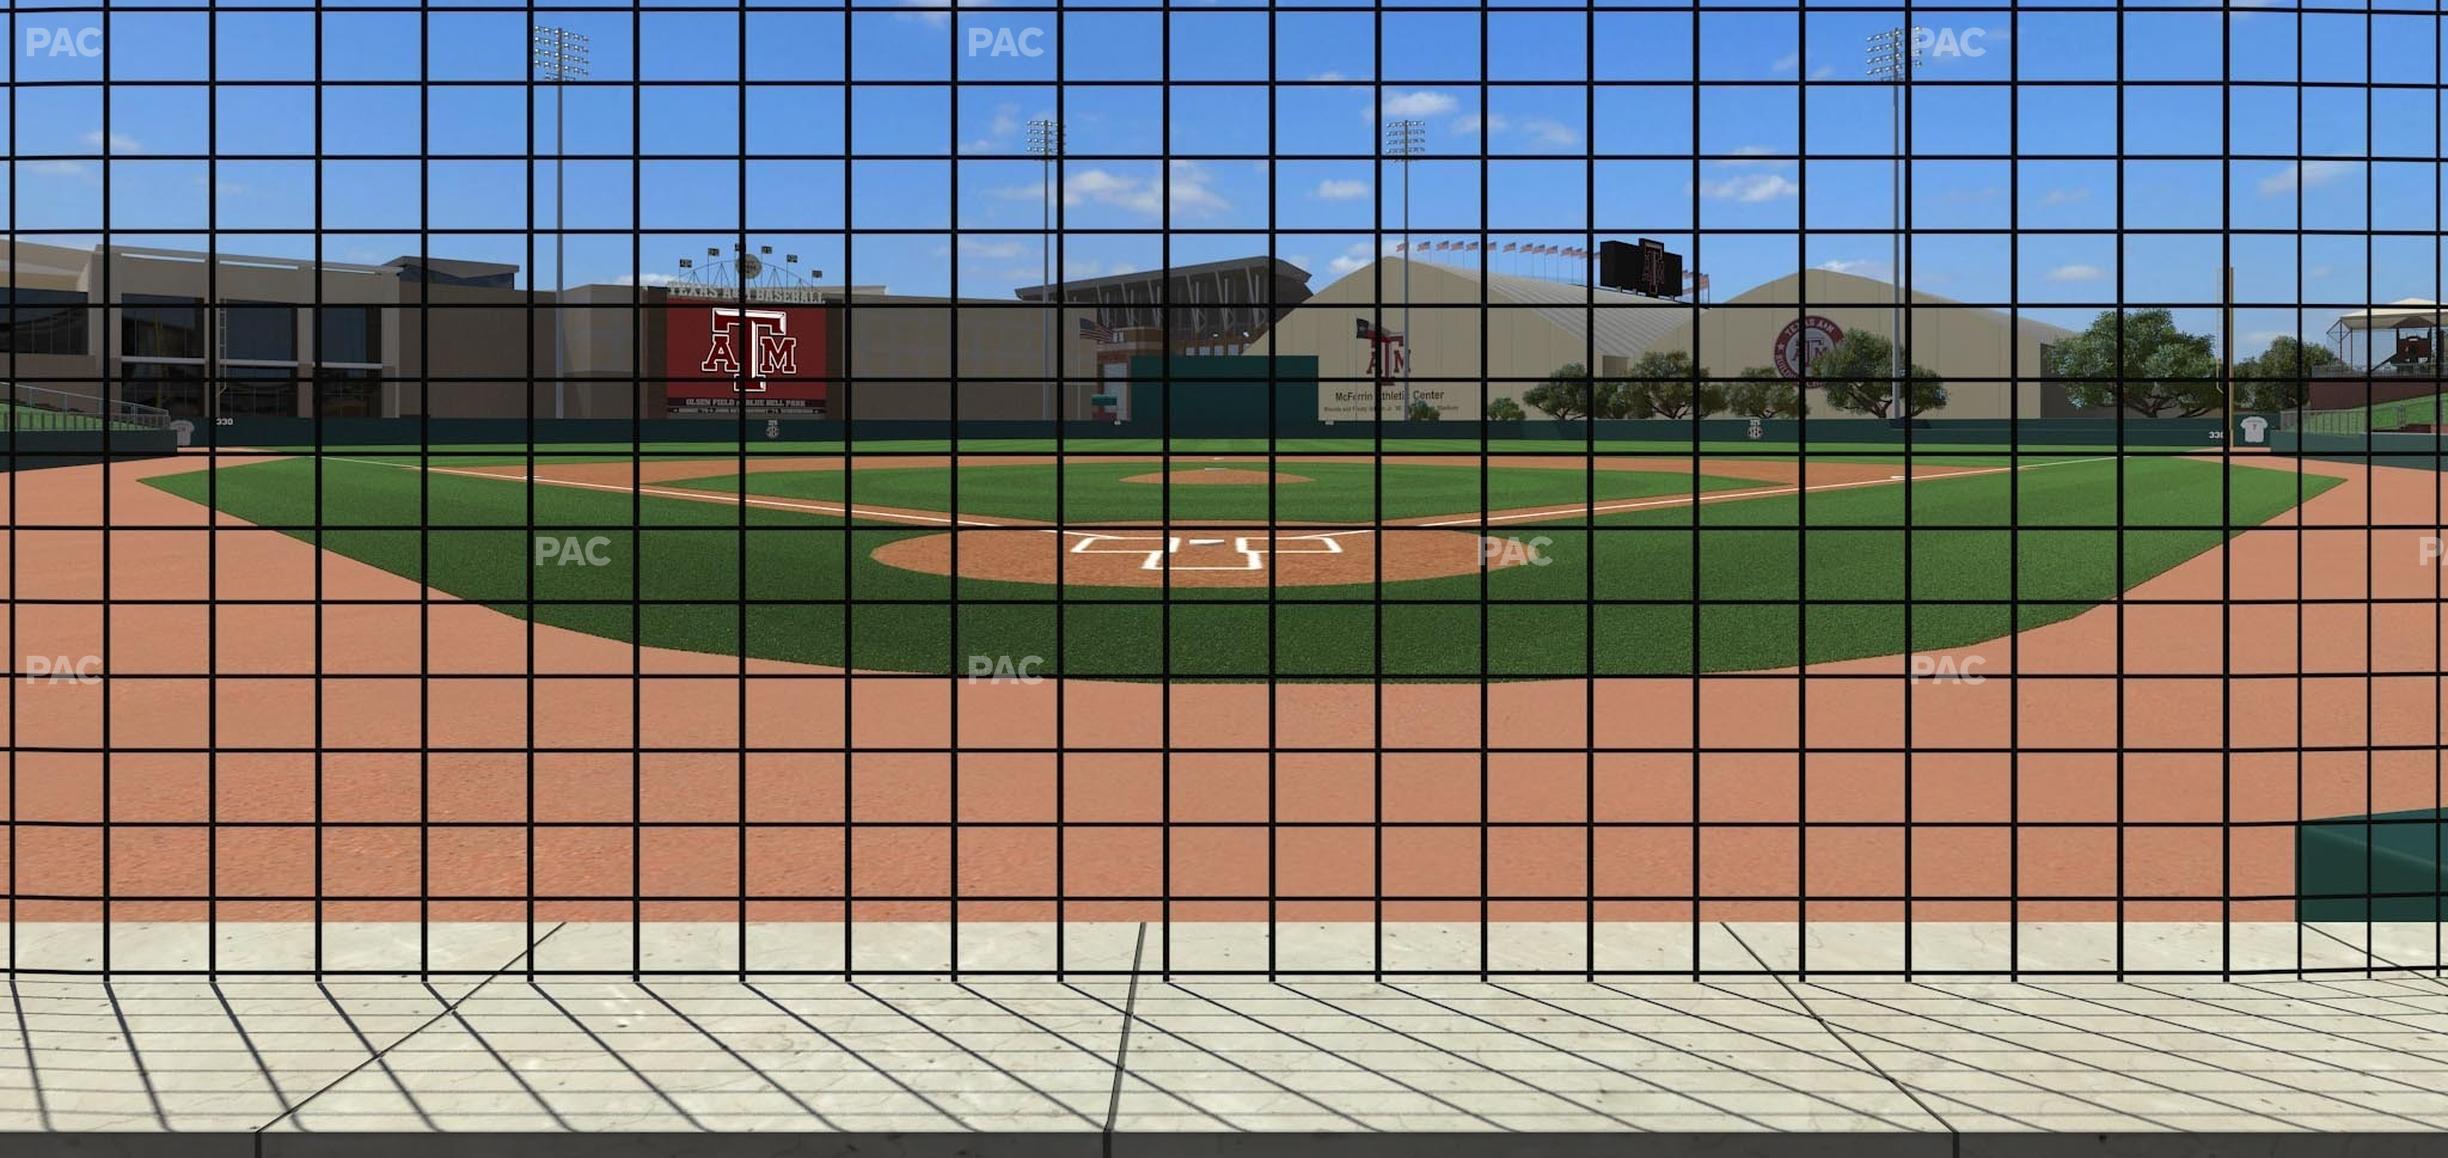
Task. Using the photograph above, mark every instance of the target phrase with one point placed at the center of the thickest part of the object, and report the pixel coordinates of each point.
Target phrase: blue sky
(1507, 142)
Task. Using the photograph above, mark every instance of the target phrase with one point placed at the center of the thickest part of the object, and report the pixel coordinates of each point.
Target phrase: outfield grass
(1093, 492)
(2040, 534)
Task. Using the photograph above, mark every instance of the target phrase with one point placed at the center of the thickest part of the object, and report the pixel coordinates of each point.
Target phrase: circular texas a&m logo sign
(1803, 341)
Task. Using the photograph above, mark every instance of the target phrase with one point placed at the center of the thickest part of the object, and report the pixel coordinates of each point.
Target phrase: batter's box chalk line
(1253, 558)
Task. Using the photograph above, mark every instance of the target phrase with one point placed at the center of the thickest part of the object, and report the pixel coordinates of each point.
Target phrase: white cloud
(1555, 133)
(1415, 105)
(1823, 72)
(2287, 180)
(1191, 195)
(1859, 267)
(999, 250)
(119, 142)
(1341, 190)
(1469, 126)
(1750, 188)
(1786, 63)
(2065, 196)
(1354, 257)
(937, 19)
(633, 279)
(1328, 75)
(2077, 272)
(83, 170)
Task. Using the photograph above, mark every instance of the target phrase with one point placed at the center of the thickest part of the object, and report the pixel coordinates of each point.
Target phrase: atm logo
(770, 346)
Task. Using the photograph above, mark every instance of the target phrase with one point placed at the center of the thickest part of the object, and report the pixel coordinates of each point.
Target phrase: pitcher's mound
(1205, 557)
(1215, 476)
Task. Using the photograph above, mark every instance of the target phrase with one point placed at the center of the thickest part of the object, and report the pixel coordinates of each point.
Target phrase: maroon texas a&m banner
(717, 356)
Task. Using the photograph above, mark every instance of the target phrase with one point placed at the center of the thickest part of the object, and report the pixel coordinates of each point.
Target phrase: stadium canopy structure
(2412, 346)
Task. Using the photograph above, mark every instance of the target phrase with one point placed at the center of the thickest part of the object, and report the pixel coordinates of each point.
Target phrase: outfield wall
(31, 449)
(2410, 449)
(1199, 417)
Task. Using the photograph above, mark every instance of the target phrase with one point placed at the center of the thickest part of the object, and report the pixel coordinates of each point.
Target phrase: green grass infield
(1332, 492)
(1738, 584)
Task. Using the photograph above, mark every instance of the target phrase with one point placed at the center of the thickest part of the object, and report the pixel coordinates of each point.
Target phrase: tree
(1667, 384)
(1504, 410)
(1569, 394)
(1761, 392)
(2274, 378)
(1423, 410)
(1859, 376)
(2139, 361)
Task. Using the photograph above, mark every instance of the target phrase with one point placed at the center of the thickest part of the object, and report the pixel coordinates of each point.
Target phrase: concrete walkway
(506, 1051)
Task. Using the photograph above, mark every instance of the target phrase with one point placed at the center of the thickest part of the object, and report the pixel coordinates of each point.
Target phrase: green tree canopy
(1764, 393)
(1504, 410)
(2139, 361)
(1666, 384)
(1858, 377)
(2274, 378)
(1569, 393)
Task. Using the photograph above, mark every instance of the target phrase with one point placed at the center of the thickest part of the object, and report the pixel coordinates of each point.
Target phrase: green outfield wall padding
(2424, 451)
(2385, 867)
(1245, 396)
(1229, 398)
(34, 449)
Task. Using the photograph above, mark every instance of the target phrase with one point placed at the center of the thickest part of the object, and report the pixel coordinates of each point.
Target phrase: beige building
(237, 336)
(1991, 365)
(1530, 327)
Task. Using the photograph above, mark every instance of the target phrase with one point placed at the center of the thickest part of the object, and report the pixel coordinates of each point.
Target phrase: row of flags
(1491, 247)
(1693, 280)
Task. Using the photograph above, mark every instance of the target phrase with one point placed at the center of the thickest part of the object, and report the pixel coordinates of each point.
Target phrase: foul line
(700, 496)
(1724, 496)
(1464, 521)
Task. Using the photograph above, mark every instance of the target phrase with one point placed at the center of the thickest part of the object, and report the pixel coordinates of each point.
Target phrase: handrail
(24, 407)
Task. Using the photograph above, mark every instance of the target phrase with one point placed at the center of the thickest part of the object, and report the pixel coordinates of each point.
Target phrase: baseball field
(1230, 566)
(1639, 689)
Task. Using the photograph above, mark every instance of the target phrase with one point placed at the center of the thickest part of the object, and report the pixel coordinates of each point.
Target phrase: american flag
(1097, 331)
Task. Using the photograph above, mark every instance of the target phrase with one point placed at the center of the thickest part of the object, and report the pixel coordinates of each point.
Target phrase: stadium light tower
(559, 55)
(1045, 138)
(1892, 57)
(1406, 139)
